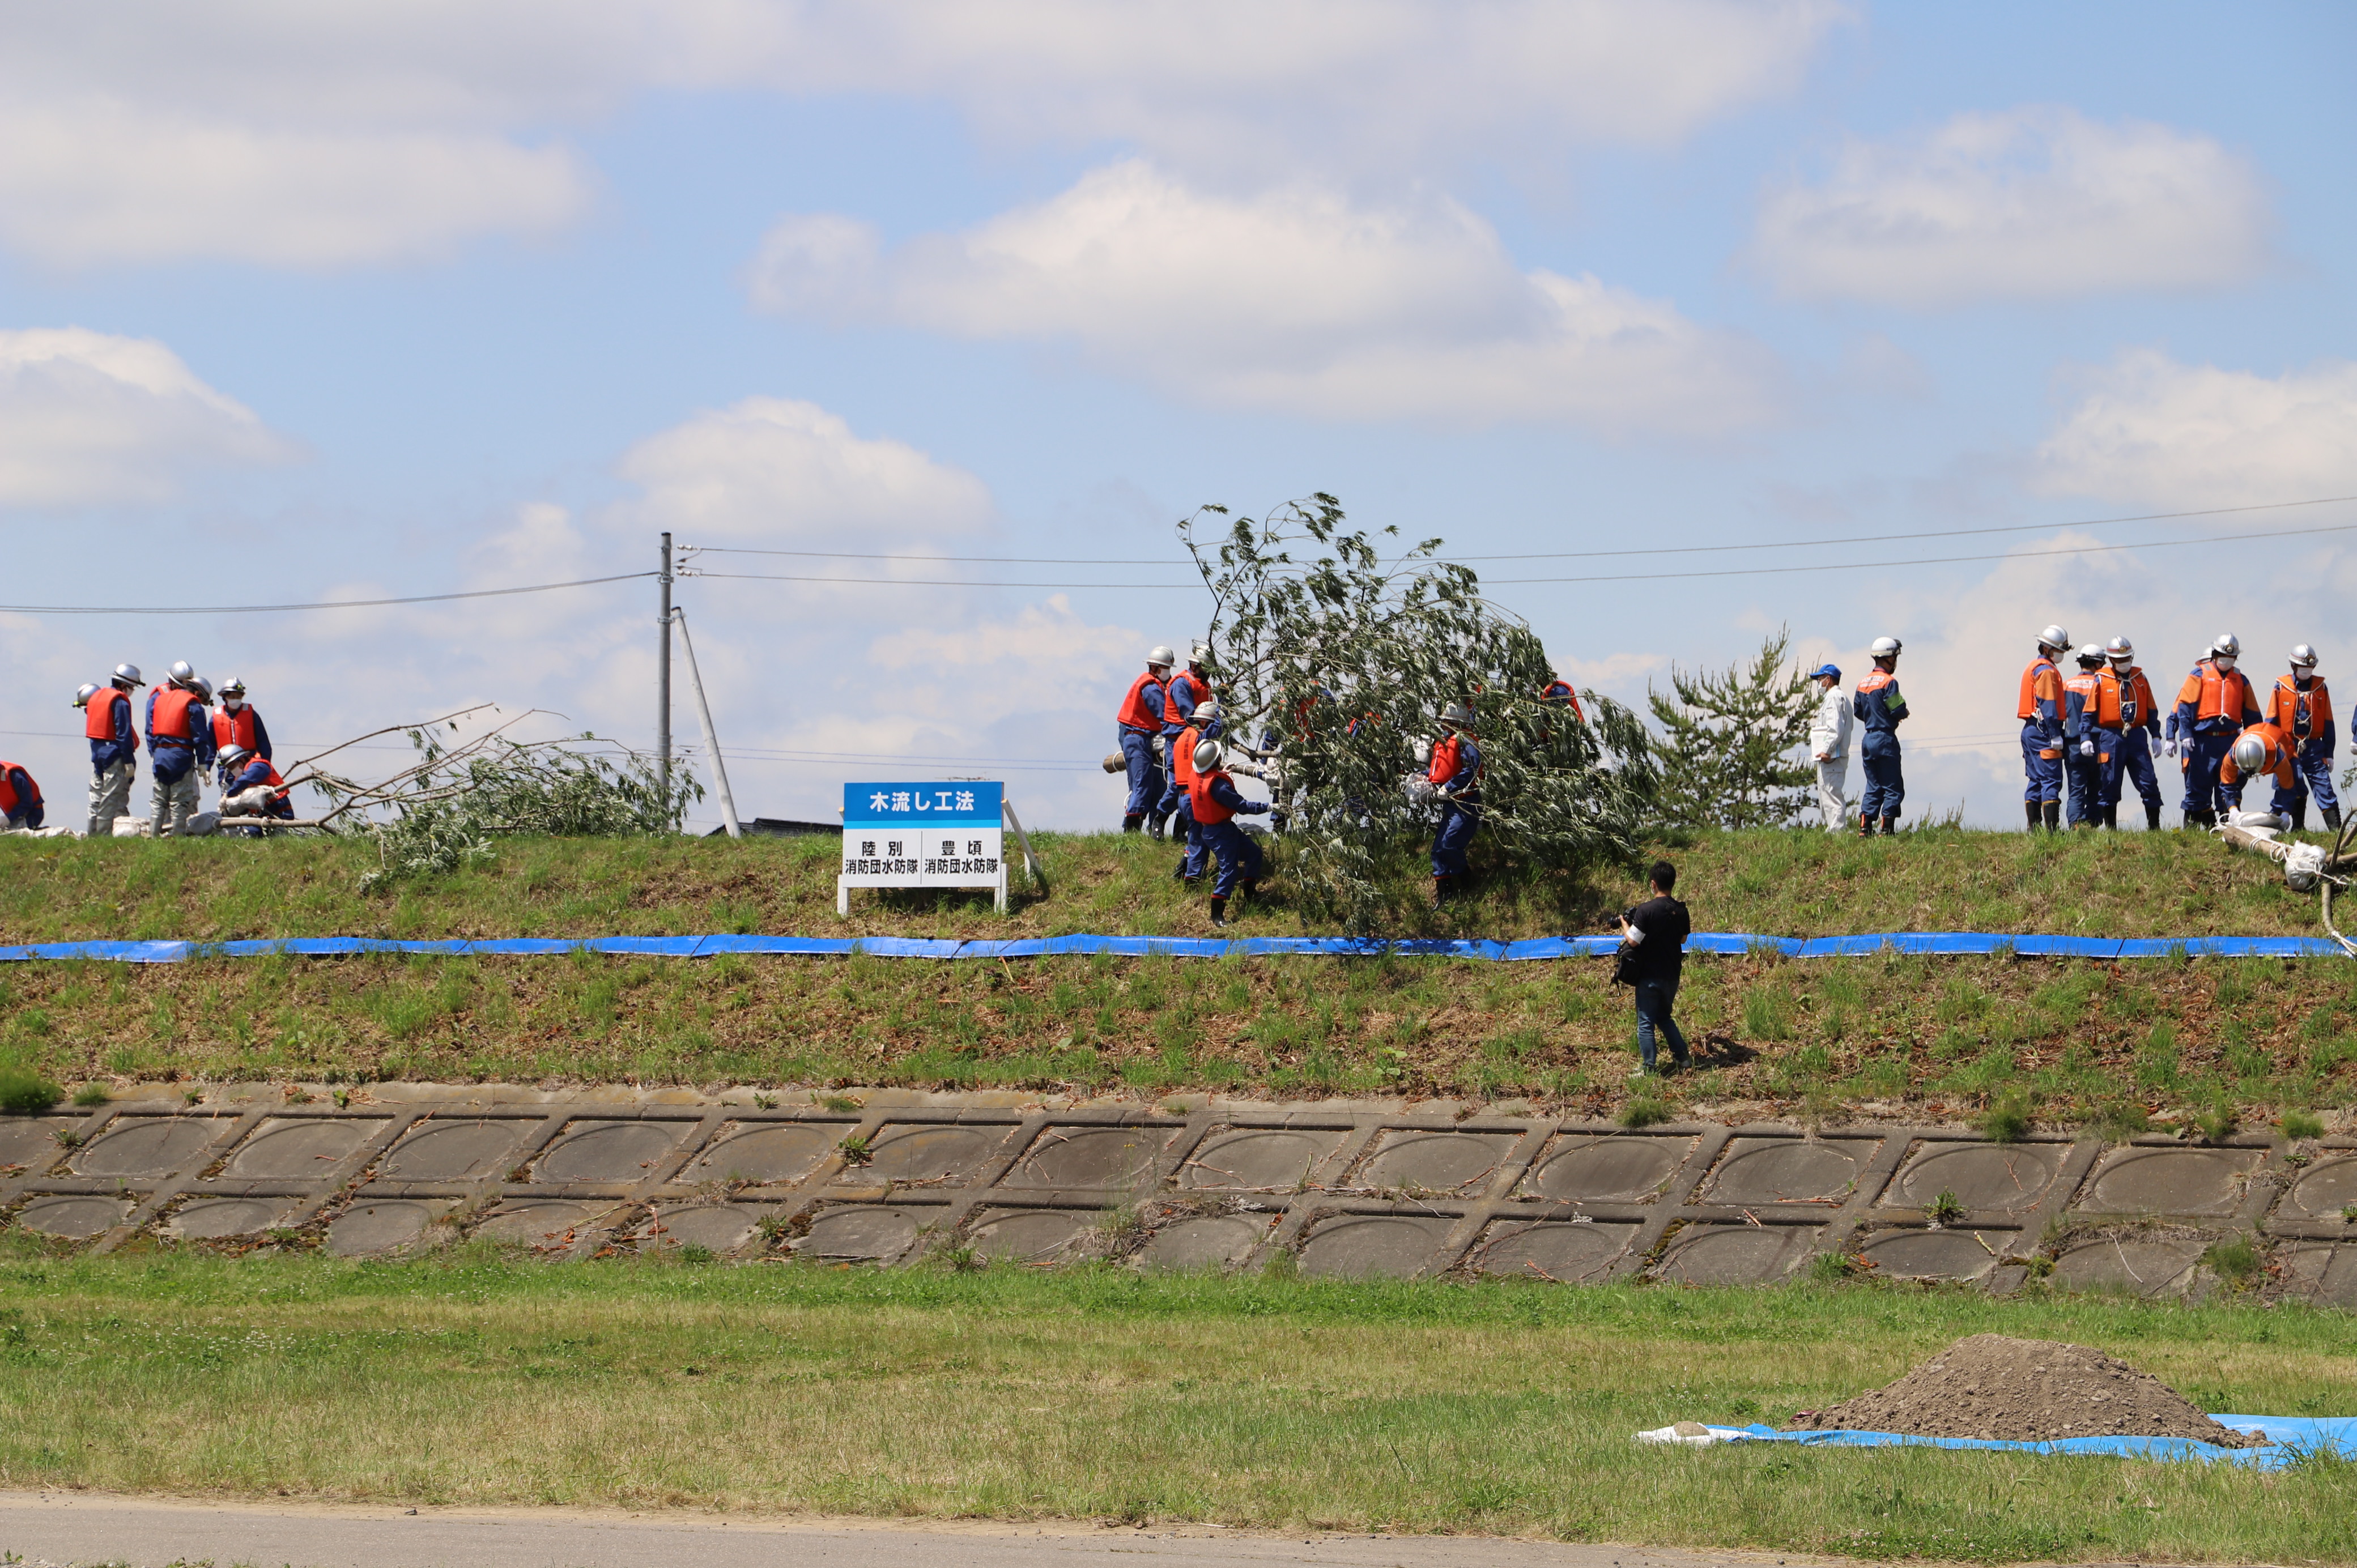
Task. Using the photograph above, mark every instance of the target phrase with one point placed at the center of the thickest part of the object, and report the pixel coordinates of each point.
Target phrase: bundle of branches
(445, 809)
(1343, 663)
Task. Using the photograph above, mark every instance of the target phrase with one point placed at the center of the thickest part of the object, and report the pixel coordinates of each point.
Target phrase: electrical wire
(1617, 577)
(1536, 555)
(325, 605)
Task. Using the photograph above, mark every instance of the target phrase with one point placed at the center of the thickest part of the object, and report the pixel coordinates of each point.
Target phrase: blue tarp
(2290, 1438)
(1946, 943)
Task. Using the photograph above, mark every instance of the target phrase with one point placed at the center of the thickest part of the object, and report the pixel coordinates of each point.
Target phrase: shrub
(2236, 1261)
(2007, 1119)
(2302, 1124)
(91, 1094)
(26, 1093)
(1646, 1110)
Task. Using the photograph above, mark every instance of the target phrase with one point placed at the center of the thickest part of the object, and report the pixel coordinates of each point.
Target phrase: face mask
(232, 703)
(2225, 662)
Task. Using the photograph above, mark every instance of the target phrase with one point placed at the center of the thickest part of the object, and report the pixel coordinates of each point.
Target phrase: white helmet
(232, 687)
(2303, 657)
(2090, 655)
(85, 693)
(1889, 646)
(2227, 643)
(182, 671)
(2120, 651)
(1160, 655)
(232, 755)
(201, 687)
(1457, 715)
(2053, 639)
(1206, 757)
(1206, 714)
(2249, 752)
(127, 676)
(1199, 651)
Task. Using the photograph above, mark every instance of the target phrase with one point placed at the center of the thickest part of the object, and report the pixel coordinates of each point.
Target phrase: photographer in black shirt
(1657, 930)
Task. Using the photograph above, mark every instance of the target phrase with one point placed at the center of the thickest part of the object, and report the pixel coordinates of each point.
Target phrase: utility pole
(663, 675)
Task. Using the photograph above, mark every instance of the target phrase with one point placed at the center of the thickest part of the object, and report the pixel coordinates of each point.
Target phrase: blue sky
(306, 304)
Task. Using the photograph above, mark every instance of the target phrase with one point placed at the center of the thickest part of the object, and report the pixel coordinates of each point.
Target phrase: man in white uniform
(1829, 746)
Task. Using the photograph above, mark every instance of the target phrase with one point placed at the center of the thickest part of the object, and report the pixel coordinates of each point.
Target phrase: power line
(1619, 577)
(1524, 555)
(325, 605)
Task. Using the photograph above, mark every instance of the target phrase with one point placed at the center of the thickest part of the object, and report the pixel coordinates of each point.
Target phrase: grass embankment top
(1799, 882)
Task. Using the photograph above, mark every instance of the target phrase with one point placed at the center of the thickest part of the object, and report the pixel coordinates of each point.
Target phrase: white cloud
(770, 468)
(2033, 203)
(370, 131)
(2152, 430)
(104, 182)
(1296, 299)
(88, 419)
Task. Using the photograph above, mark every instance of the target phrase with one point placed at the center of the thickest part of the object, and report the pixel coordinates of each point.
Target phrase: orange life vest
(169, 718)
(2099, 696)
(2040, 682)
(1182, 757)
(1560, 692)
(98, 720)
(2298, 714)
(10, 804)
(2136, 704)
(2217, 694)
(1135, 714)
(1207, 812)
(2277, 760)
(239, 729)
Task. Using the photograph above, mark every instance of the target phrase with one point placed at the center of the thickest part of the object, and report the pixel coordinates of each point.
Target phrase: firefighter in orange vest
(179, 747)
(2139, 736)
(2213, 706)
(2091, 737)
(1204, 723)
(1179, 696)
(113, 748)
(2301, 707)
(1454, 776)
(236, 723)
(1558, 694)
(1880, 708)
(1212, 797)
(1139, 727)
(251, 787)
(2041, 732)
(20, 799)
(2260, 749)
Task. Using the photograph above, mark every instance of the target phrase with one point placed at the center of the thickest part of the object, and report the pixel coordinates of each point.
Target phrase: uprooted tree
(447, 808)
(1340, 661)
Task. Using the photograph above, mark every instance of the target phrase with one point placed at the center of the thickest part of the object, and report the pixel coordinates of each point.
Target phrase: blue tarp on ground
(1944, 943)
(2290, 1439)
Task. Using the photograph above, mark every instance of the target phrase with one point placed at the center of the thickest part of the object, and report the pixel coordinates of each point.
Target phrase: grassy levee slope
(2247, 1039)
(1099, 1392)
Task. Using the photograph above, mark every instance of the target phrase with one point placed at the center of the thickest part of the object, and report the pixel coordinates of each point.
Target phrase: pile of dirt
(2024, 1391)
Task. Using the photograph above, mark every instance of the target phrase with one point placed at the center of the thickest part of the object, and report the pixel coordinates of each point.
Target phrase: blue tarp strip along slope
(2290, 1439)
(1946, 943)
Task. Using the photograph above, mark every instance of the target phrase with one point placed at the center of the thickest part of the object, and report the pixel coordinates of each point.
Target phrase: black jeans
(1654, 998)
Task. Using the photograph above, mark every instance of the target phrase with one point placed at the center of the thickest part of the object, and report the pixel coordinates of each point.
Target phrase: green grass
(1264, 1402)
(1798, 882)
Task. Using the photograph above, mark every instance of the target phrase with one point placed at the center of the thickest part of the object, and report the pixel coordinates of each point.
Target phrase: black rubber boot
(2037, 818)
(2152, 819)
(2300, 818)
(1866, 827)
(1131, 825)
(2112, 818)
(2050, 811)
(1219, 913)
(2332, 818)
(1889, 826)
(1154, 826)
(2206, 820)
(1441, 891)
(1251, 889)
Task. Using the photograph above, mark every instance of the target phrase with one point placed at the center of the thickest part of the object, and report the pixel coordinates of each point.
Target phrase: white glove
(2168, 747)
(1423, 751)
(2086, 748)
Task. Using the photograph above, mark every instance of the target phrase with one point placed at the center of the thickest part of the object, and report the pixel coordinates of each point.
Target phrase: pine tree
(1341, 663)
(1727, 753)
